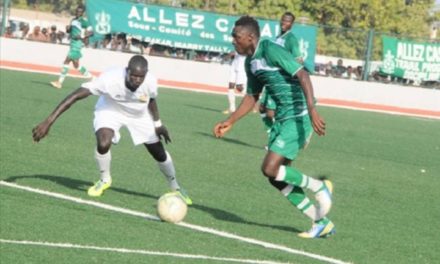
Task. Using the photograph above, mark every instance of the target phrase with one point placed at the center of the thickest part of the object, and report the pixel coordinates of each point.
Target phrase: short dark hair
(250, 24)
(290, 14)
(138, 61)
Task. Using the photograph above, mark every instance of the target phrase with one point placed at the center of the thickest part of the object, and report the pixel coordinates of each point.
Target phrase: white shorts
(237, 77)
(141, 128)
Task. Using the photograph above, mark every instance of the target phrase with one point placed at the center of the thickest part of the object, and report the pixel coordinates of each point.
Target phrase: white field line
(183, 224)
(135, 251)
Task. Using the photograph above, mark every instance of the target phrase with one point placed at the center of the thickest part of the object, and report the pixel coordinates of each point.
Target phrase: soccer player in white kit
(237, 80)
(127, 97)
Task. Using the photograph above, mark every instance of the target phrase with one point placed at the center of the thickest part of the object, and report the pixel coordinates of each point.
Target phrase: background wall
(213, 76)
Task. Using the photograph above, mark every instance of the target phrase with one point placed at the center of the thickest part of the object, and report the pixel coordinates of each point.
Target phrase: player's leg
(231, 98)
(103, 160)
(82, 69)
(64, 70)
(166, 166)
(142, 131)
(106, 124)
(321, 225)
(285, 140)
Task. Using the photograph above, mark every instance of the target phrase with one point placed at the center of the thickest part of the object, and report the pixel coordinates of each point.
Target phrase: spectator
(60, 36)
(8, 33)
(339, 69)
(358, 72)
(349, 74)
(53, 38)
(329, 69)
(22, 32)
(134, 45)
(45, 33)
(37, 35)
(190, 54)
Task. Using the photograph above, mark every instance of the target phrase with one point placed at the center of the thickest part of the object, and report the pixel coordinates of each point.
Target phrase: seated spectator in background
(8, 33)
(339, 70)
(37, 35)
(358, 72)
(134, 45)
(349, 74)
(329, 69)
(60, 36)
(53, 38)
(22, 32)
(45, 33)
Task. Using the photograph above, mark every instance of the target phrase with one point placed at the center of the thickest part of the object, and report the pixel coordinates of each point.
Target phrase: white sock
(310, 212)
(167, 168)
(103, 161)
(231, 100)
(64, 72)
(310, 183)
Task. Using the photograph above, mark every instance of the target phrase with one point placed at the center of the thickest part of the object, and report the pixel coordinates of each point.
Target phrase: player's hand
(318, 122)
(221, 128)
(40, 131)
(162, 133)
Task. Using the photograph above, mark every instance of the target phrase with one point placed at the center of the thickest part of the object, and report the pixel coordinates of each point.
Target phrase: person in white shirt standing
(237, 80)
(127, 97)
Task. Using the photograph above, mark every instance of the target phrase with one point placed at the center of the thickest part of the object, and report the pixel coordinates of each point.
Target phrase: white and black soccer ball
(171, 207)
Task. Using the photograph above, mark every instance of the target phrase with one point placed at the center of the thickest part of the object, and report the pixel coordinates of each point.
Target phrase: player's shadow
(214, 212)
(230, 140)
(204, 108)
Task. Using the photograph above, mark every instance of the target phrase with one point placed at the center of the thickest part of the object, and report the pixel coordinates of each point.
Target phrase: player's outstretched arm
(247, 104)
(42, 129)
(318, 122)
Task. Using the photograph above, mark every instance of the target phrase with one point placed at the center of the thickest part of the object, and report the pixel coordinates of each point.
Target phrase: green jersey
(77, 28)
(290, 43)
(272, 66)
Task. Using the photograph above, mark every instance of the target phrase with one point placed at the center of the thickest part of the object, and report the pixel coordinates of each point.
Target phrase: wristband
(157, 123)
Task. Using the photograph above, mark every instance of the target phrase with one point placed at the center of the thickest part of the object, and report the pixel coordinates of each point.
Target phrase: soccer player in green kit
(270, 65)
(287, 39)
(76, 27)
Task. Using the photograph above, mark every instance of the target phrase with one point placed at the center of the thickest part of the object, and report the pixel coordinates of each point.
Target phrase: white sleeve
(96, 86)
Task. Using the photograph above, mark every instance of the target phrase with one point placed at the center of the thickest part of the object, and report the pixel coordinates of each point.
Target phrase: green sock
(298, 198)
(84, 71)
(289, 175)
(322, 221)
(293, 176)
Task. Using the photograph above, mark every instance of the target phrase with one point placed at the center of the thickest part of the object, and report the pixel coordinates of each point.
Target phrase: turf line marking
(135, 251)
(183, 224)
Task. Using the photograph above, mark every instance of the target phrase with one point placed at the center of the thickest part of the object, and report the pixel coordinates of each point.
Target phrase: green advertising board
(183, 28)
(411, 60)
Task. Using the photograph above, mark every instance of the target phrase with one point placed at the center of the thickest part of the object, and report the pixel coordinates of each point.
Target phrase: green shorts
(267, 101)
(287, 137)
(75, 50)
(74, 54)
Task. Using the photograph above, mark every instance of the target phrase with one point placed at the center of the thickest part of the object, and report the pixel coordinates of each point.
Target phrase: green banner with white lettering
(183, 28)
(411, 60)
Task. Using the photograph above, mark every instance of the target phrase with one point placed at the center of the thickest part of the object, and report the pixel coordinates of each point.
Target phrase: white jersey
(238, 62)
(114, 95)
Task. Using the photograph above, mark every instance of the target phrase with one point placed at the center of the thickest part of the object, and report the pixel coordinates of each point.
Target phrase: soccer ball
(171, 207)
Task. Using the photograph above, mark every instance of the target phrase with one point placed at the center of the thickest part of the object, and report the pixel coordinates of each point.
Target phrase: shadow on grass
(219, 214)
(230, 140)
(204, 108)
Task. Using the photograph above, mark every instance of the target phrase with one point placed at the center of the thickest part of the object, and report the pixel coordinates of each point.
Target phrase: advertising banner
(183, 28)
(411, 60)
